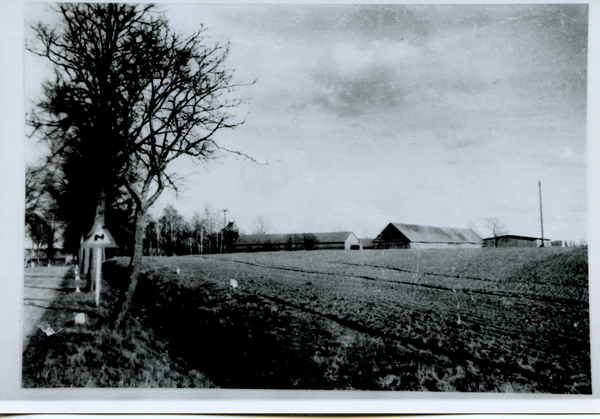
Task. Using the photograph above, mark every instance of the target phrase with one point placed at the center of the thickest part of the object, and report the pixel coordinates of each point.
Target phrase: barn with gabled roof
(511, 240)
(345, 240)
(411, 236)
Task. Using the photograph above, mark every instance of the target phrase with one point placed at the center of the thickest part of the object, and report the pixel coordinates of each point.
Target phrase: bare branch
(128, 97)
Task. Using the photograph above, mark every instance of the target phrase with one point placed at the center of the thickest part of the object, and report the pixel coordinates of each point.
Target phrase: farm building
(409, 236)
(515, 241)
(309, 241)
(366, 243)
(40, 257)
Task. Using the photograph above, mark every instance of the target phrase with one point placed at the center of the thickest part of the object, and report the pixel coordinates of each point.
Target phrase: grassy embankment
(94, 355)
(317, 321)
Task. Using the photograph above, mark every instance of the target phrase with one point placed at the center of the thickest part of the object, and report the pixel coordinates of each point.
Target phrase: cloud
(358, 94)
(340, 22)
(417, 64)
(564, 157)
(457, 144)
(266, 179)
(354, 79)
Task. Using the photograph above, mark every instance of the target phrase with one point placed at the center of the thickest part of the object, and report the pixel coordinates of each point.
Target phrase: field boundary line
(460, 277)
(417, 272)
(506, 293)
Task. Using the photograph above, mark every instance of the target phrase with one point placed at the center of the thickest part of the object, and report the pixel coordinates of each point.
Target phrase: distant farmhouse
(515, 241)
(39, 257)
(346, 240)
(409, 236)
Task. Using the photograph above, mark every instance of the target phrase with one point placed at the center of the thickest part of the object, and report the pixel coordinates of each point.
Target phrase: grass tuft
(94, 355)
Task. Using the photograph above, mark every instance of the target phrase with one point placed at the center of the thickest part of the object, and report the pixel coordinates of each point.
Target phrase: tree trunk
(123, 304)
(50, 241)
(86, 271)
(84, 263)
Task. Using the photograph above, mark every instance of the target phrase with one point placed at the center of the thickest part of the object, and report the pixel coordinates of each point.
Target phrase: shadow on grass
(44, 351)
(63, 289)
(192, 332)
(94, 355)
(245, 341)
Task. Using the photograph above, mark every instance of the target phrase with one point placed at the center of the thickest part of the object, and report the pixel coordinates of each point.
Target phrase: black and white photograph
(380, 200)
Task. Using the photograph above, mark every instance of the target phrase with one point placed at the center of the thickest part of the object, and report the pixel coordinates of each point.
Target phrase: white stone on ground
(80, 318)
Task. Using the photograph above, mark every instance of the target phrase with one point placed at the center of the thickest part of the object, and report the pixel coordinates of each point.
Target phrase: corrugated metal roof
(429, 234)
(253, 239)
(339, 237)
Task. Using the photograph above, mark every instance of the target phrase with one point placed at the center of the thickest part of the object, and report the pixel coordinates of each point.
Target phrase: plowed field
(486, 320)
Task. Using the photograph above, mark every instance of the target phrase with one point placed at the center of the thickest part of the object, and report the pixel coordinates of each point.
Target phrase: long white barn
(346, 240)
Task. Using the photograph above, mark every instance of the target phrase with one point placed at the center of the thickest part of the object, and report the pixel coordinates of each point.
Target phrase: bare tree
(33, 190)
(151, 243)
(210, 219)
(197, 228)
(496, 228)
(141, 95)
(40, 210)
(261, 225)
(473, 226)
(34, 222)
(210, 229)
(171, 224)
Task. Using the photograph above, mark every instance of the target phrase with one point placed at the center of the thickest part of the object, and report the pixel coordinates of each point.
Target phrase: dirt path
(42, 287)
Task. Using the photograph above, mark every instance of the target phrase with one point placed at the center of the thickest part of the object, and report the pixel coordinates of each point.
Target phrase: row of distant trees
(171, 234)
(127, 97)
(54, 215)
(41, 222)
(51, 217)
(59, 211)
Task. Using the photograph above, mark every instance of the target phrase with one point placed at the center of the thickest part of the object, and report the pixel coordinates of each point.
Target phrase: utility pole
(541, 216)
(224, 227)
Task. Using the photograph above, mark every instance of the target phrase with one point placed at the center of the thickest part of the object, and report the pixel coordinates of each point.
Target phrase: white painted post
(98, 273)
(76, 269)
(98, 238)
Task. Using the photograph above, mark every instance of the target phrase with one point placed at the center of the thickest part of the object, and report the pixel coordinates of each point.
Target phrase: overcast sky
(366, 115)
